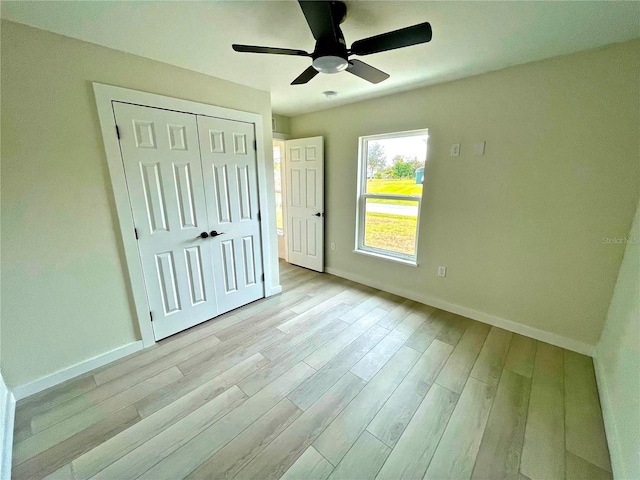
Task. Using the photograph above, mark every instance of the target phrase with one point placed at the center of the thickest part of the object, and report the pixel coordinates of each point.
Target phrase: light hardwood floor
(330, 379)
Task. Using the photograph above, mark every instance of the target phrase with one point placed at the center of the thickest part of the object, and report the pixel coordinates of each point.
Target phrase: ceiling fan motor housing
(330, 56)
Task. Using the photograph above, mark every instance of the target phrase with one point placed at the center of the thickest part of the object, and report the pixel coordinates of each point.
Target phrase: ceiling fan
(331, 54)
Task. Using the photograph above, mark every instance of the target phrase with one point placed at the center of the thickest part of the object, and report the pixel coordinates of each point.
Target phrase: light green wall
(617, 360)
(65, 296)
(519, 229)
(283, 124)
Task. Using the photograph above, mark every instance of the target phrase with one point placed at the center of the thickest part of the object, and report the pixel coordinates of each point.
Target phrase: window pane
(394, 186)
(391, 225)
(276, 168)
(277, 178)
(279, 221)
(396, 165)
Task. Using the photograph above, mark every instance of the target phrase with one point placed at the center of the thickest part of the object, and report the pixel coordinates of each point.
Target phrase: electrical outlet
(333, 246)
(455, 149)
(442, 271)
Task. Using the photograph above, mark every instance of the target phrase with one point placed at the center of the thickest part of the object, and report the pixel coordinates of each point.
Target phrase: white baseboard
(60, 376)
(7, 416)
(542, 335)
(274, 291)
(609, 420)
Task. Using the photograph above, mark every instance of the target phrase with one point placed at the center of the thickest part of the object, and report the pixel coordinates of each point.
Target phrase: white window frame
(363, 196)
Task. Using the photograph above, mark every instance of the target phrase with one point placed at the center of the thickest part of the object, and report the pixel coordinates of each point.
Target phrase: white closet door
(305, 202)
(231, 188)
(162, 164)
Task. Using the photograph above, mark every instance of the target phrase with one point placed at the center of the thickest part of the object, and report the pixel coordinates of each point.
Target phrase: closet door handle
(215, 234)
(203, 235)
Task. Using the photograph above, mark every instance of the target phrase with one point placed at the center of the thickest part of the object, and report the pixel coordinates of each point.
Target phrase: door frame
(104, 96)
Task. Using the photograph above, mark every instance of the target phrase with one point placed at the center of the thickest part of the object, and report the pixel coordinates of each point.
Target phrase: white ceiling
(468, 38)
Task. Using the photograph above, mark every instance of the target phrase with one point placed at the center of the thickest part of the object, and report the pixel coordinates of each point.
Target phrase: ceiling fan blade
(404, 37)
(305, 76)
(273, 50)
(366, 71)
(320, 18)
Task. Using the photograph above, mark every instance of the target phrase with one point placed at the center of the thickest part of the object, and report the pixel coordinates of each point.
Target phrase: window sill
(403, 261)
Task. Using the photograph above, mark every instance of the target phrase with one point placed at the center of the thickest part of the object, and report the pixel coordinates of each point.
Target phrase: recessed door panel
(228, 267)
(195, 274)
(145, 134)
(296, 188)
(168, 282)
(296, 235)
(184, 193)
(244, 192)
(221, 192)
(311, 236)
(311, 153)
(217, 141)
(311, 185)
(249, 261)
(305, 202)
(294, 154)
(177, 137)
(154, 196)
(239, 144)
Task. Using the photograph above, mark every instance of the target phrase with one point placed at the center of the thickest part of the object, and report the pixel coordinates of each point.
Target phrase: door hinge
(263, 277)
(118, 132)
(259, 216)
(255, 145)
(151, 316)
(136, 231)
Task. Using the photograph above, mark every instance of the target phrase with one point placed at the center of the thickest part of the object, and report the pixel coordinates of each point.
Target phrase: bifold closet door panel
(229, 165)
(163, 167)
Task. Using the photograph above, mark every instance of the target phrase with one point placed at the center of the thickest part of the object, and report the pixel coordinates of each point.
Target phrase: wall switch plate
(479, 150)
(442, 271)
(455, 149)
(333, 246)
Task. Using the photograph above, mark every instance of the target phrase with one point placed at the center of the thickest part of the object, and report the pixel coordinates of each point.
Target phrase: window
(391, 176)
(277, 177)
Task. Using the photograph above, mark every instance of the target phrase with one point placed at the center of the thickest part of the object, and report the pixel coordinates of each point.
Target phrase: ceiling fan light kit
(331, 54)
(330, 64)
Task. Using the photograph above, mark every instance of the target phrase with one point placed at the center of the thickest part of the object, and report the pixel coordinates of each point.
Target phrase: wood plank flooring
(329, 380)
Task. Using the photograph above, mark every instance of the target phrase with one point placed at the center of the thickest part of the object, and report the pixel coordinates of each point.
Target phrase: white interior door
(163, 169)
(305, 202)
(231, 188)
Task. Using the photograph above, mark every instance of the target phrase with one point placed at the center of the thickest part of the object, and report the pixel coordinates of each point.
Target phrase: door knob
(318, 214)
(203, 235)
(215, 234)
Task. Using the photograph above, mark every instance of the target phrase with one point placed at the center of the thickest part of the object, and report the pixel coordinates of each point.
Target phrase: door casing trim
(104, 96)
